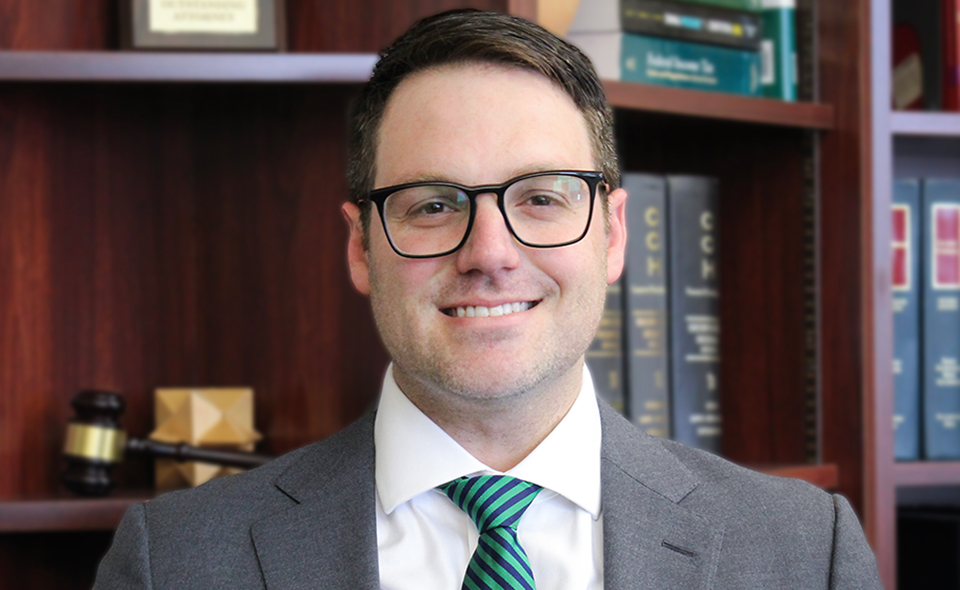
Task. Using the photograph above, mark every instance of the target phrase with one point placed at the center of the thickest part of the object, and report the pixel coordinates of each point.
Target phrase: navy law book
(645, 304)
(694, 336)
(605, 355)
(905, 280)
(941, 318)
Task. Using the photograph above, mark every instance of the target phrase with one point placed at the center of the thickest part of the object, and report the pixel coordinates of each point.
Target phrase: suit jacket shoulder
(682, 517)
(270, 527)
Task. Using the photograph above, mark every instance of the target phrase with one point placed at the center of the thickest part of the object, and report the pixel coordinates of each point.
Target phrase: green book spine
(753, 5)
(778, 49)
(697, 66)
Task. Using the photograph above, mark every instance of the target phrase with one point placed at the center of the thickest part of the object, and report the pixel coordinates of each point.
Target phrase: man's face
(482, 124)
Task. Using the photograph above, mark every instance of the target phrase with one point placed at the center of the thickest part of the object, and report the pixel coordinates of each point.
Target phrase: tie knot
(492, 500)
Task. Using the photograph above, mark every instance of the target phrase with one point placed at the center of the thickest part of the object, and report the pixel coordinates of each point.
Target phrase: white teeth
(480, 311)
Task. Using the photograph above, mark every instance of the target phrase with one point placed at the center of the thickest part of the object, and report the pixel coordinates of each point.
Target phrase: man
(485, 226)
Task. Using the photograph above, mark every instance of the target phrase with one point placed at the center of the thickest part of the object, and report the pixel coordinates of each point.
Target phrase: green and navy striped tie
(495, 503)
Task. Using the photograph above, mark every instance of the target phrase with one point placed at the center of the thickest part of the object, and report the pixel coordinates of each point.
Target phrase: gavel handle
(184, 452)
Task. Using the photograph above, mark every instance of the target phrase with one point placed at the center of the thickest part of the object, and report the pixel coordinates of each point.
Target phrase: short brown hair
(464, 36)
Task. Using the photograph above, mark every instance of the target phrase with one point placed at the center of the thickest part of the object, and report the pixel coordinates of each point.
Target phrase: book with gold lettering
(645, 304)
(605, 356)
(694, 317)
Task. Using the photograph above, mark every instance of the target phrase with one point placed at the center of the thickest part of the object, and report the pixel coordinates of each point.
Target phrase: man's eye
(542, 200)
(545, 200)
(432, 208)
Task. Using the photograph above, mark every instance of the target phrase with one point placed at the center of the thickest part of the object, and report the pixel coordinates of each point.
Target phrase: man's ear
(617, 234)
(356, 253)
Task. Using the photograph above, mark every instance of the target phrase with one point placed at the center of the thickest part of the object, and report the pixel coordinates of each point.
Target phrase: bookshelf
(173, 219)
(903, 144)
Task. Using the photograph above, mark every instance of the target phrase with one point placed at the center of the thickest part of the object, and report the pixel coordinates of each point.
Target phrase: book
(753, 5)
(645, 304)
(605, 356)
(950, 55)
(778, 49)
(600, 16)
(905, 280)
(941, 319)
(698, 23)
(631, 57)
(694, 321)
(907, 79)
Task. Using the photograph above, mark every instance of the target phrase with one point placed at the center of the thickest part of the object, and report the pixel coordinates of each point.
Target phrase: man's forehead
(458, 114)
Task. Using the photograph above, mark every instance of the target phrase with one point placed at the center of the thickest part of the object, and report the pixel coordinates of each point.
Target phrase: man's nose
(490, 246)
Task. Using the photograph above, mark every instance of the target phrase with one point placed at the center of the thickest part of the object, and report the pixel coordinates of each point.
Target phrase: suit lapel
(329, 538)
(649, 539)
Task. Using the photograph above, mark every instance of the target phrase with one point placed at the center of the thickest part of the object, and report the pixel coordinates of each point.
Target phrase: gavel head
(95, 442)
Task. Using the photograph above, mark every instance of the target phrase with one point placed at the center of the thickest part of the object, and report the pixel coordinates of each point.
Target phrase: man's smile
(483, 311)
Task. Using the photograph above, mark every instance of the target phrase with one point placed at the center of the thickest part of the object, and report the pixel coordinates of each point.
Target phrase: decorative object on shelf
(227, 25)
(917, 82)
(907, 79)
(214, 417)
(556, 15)
(96, 442)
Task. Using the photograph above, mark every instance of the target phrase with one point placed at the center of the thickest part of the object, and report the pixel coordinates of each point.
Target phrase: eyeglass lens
(544, 210)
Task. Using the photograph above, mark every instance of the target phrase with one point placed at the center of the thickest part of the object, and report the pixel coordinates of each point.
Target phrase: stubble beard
(424, 372)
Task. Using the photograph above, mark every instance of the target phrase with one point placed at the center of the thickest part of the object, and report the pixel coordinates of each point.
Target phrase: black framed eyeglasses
(541, 210)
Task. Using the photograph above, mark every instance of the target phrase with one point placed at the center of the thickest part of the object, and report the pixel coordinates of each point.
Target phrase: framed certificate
(218, 25)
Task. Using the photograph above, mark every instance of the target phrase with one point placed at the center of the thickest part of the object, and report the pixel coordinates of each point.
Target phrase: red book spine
(951, 56)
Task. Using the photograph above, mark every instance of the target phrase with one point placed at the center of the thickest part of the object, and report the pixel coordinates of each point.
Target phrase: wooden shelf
(66, 514)
(925, 124)
(107, 66)
(927, 473)
(715, 105)
(824, 476)
(306, 68)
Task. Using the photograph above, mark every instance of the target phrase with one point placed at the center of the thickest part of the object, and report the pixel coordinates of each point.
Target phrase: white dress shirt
(425, 541)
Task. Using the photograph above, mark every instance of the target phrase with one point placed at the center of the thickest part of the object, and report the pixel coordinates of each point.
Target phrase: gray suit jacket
(674, 517)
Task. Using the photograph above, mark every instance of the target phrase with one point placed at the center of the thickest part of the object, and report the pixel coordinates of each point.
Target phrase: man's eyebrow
(437, 177)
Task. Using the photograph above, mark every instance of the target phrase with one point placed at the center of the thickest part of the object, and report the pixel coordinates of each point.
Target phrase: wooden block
(204, 417)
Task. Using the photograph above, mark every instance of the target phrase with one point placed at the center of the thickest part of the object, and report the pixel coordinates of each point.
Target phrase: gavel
(96, 443)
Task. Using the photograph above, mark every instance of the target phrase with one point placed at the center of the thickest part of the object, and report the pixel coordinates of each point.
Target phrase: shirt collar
(414, 455)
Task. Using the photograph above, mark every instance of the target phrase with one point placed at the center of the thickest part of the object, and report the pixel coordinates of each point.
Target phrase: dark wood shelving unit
(173, 219)
(60, 514)
(712, 105)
